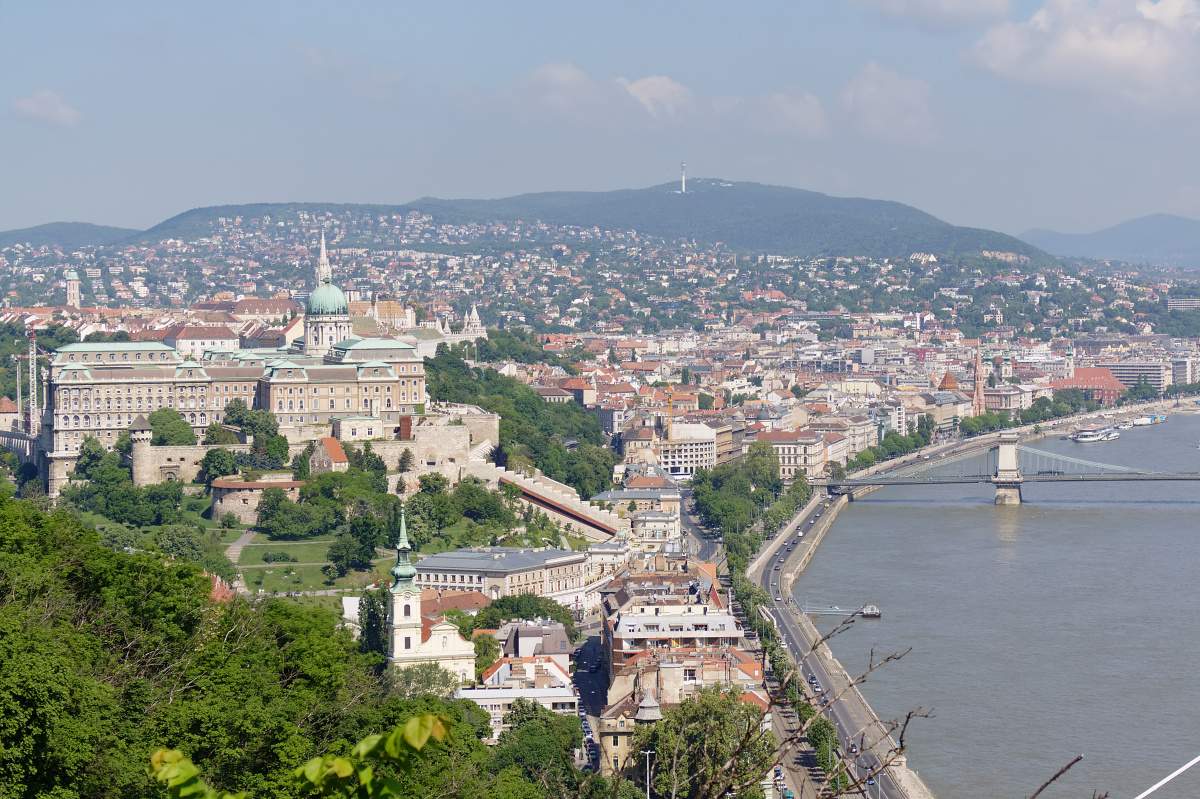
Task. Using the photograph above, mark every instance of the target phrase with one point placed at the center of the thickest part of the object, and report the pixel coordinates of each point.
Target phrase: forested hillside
(742, 216)
(107, 656)
(530, 428)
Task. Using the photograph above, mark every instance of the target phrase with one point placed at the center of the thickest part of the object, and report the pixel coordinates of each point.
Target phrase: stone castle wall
(241, 499)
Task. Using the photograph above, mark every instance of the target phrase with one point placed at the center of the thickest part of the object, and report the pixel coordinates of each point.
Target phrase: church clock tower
(404, 605)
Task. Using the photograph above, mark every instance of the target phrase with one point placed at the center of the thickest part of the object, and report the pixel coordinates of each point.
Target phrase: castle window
(407, 611)
(407, 642)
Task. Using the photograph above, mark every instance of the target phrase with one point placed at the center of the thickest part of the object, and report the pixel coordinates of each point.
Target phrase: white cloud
(791, 113)
(565, 90)
(884, 105)
(942, 13)
(662, 97)
(364, 78)
(1138, 52)
(47, 106)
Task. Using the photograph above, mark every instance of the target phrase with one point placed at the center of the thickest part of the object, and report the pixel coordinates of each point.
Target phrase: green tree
(170, 429)
(406, 460)
(414, 682)
(236, 412)
(218, 462)
(465, 622)
(372, 622)
(216, 433)
(487, 652)
(328, 775)
(433, 483)
(709, 746)
(538, 744)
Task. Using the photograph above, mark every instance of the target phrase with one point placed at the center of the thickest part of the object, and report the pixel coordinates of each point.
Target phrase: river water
(1065, 625)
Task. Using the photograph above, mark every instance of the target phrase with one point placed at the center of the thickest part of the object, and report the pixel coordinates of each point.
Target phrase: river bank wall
(875, 731)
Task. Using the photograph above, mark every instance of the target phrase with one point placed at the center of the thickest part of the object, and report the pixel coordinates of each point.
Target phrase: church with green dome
(327, 313)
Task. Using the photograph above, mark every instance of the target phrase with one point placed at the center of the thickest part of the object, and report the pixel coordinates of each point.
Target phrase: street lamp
(647, 753)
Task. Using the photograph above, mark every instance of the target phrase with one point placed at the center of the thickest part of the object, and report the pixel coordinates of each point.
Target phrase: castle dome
(327, 300)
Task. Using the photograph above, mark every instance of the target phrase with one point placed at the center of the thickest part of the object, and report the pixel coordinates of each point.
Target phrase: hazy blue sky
(1007, 114)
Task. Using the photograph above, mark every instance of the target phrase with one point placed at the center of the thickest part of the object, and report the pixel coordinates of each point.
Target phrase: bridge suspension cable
(1047, 457)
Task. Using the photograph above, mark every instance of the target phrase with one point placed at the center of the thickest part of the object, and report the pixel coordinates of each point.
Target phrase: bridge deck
(988, 478)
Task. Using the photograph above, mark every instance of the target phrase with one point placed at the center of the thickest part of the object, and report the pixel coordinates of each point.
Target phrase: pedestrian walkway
(235, 549)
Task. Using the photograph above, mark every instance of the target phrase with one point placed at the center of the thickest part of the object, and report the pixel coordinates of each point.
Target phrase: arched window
(407, 611)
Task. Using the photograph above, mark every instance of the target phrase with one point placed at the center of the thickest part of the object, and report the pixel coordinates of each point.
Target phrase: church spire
(403, 571)
(324, 272)
(978, 403)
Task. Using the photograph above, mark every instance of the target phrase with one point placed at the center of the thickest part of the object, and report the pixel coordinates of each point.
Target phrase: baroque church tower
(404, 601)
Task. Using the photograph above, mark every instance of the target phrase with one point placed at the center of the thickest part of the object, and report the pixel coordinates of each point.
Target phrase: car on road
(774, 582)
(870, 780)
(854, 749)
(776, 567)
(778, 598)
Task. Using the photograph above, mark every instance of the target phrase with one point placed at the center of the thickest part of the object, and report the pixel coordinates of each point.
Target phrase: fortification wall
(158, 464)
(242, 499)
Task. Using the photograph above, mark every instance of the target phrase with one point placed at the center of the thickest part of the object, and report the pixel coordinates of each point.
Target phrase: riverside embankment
(875, 734)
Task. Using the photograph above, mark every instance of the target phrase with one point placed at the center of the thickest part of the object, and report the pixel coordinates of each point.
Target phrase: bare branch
(1061, 772)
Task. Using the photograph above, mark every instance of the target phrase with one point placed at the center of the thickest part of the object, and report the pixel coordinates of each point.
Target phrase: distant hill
(743, 216)
(1159, 239)
(68, 235)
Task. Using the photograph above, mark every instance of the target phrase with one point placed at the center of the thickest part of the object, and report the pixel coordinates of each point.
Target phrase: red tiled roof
(334, 448)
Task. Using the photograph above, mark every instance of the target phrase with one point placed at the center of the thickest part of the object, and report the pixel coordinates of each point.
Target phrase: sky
(1004, 114)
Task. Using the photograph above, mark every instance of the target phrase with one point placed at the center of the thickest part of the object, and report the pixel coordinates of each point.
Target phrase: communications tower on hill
(683, 178)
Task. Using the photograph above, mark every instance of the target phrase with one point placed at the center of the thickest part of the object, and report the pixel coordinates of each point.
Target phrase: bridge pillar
(1008, 473)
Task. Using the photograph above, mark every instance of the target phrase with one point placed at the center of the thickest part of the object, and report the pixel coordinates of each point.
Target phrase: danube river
(1067, 625)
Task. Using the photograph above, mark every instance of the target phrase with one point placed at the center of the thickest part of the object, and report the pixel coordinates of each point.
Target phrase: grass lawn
(286, 577)
(304, 552)
(331, 603)
(463, 533)
(231, 535)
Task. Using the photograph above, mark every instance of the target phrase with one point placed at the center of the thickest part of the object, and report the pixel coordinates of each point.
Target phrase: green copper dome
(71, 275)
(327, 300)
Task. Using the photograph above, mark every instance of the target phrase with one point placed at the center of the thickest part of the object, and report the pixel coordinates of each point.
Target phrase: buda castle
(325, 379)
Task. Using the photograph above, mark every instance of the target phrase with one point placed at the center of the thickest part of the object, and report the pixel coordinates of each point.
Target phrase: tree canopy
(170, 429)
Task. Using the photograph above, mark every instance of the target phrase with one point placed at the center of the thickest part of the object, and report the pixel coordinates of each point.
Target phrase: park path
(235, 549)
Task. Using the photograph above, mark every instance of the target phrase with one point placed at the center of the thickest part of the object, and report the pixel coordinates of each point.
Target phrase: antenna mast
(683, 178)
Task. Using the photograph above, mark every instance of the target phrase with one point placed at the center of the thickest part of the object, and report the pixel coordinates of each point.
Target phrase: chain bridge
(1007, 465)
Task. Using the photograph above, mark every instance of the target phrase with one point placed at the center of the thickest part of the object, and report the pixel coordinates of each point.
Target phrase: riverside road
(872, 752)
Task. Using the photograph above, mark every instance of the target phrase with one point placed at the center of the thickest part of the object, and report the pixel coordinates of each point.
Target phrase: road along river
(1067, 624)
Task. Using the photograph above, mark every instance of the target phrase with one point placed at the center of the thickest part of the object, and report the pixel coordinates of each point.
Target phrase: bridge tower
(1008, 473)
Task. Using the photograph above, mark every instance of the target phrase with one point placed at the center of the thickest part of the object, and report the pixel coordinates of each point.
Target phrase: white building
(412, 638)
(537, 679)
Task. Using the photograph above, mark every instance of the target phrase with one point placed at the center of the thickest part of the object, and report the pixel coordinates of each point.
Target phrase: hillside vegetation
(746, 217)
(742, 216)
(68, 235)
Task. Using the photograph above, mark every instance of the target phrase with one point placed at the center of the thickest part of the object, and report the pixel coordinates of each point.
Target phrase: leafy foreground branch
(322, 776)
